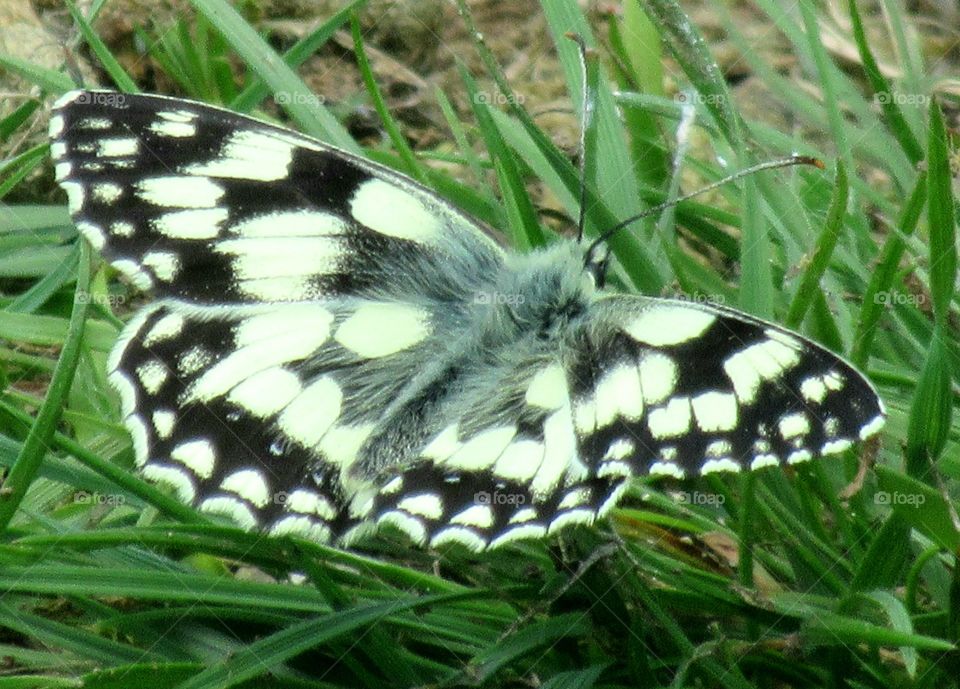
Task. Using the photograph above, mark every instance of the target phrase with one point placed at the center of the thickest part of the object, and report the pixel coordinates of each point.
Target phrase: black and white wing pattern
(332, 346)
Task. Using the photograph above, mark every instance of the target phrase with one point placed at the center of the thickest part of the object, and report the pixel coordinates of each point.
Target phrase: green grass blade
(41, 433)
(109, 63)
(826, 243)
(315, 119)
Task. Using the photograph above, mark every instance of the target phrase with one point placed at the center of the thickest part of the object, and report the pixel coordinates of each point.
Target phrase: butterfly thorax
(537, 295)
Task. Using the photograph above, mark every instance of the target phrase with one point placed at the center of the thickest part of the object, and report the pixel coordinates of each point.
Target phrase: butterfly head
(596, 261)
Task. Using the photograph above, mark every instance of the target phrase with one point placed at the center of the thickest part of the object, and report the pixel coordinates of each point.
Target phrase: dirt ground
(414, 46)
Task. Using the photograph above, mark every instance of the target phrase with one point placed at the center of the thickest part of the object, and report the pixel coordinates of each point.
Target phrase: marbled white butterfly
(329, 331)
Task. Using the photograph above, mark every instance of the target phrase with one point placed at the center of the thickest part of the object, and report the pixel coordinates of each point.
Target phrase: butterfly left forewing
(214, 208)
(283, 268)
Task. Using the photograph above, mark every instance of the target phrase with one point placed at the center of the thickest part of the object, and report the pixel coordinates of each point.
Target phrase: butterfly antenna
(587, 61)
(770, 164)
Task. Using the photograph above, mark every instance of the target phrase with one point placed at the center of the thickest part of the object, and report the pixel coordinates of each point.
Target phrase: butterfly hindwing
(638, 387)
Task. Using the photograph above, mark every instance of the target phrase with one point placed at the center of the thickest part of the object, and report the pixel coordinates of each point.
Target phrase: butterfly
(333, 346)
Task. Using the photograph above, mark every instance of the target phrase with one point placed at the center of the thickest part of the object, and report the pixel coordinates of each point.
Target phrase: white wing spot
(548, 388)
(248, 155)
(177, 130)
(872, 426)
(312, 412)
(834, 381)
(308, 502)
(560, 450)
(266, 392)
(201, 223)
(93, 234)
(585, 415)
(718, 449)
(167, 327)
(480, 516)
(577, 516)
(461, 535)
(390, 210)
(658, 377)
(196, 455)
(164, 264)
(620, 449)
(301, 526)
(132, 271)
(95, 123)
(232, 508)
(106, 192)
(163, 423)
(661, 326)
(443, 445)
(379, 329)
(341, 445)
(411, 526)
(670, 421)
(518, 533)
(615, 469)
(138, 432)
(176, 191)
(794, 425)
(75, 195)
(757, 363)
(152, 375)
(520, 461)
(764, 460)
(715, 411)
(483, 449)
(666, 469)
(619, 394)
(176, 478)
(426, 505)
(117, 147)
(193, 360)
(121, 228)
(250, 485)
(573, 498)
(524, 514)
(714, 465)
(392, 486)
(813, 389)
(56, 126)
(291, 224)
(835, 446)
